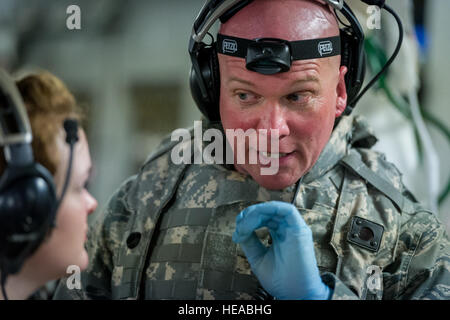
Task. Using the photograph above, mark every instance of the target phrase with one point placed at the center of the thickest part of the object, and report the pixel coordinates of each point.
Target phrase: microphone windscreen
(71, 128)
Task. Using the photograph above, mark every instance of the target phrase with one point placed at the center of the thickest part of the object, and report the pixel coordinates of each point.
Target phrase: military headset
(270, 56)
(28, 200)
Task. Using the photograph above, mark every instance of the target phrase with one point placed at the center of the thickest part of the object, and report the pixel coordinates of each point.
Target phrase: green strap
(353, 161)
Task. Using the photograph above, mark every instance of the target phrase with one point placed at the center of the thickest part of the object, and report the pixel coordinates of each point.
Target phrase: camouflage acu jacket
(372, 239)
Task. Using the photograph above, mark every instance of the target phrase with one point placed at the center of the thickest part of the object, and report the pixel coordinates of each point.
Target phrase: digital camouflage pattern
(166, 233)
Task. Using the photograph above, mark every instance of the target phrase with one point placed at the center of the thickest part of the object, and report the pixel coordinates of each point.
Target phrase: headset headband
(20, 132)
(212, 11)
(15, 129)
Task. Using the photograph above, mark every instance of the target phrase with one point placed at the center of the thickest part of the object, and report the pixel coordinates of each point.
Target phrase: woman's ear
(341, 92)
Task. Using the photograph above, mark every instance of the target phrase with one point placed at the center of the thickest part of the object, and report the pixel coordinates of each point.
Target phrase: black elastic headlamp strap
(278, 54)
(300, 50)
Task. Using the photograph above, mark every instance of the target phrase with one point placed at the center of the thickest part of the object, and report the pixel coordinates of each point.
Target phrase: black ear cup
(215, 72)
(28, 201)
(27, 212)
(210, 77)
(353, 58)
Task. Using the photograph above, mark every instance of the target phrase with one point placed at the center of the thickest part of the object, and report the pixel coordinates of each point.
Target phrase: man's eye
(294, 97)
(243, 96)
(298, 97)
(246, 98)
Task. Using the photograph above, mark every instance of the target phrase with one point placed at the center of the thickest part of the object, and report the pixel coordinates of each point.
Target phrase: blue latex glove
(288, 269)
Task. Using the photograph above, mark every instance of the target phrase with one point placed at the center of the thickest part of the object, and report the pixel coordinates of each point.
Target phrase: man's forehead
(298, 64)
(285, 19)
(234, 68)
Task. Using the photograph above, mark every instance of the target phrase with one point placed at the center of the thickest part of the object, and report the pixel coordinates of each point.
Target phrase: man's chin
(272, 183)
(277, 181)
(281, 180)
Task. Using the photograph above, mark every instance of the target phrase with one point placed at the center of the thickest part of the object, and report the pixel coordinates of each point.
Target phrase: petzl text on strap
(299, 50)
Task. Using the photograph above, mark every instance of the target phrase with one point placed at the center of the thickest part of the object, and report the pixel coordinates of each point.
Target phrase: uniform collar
(350, 131)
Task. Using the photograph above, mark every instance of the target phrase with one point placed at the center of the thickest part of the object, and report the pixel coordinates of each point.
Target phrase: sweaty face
(301, 104)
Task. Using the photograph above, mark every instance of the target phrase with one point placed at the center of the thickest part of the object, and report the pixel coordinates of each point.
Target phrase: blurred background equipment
(402, 108)
(129, 65)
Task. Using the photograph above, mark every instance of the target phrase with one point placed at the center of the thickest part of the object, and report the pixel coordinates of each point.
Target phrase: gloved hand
(288, 269)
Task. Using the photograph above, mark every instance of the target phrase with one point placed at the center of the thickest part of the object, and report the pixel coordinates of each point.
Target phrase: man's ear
(341, 92)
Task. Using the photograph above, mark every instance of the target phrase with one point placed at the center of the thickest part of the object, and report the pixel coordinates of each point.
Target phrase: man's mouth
(274, 155)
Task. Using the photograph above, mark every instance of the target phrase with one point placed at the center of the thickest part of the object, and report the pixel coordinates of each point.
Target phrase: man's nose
(274, 117)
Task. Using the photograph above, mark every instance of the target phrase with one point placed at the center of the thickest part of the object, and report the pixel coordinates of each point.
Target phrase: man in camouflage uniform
(167, 232)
